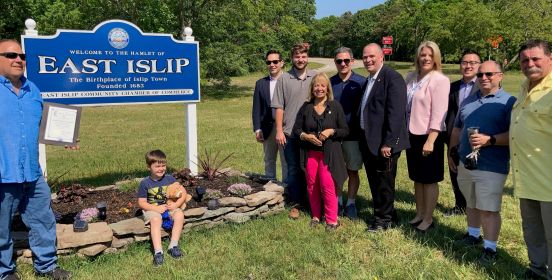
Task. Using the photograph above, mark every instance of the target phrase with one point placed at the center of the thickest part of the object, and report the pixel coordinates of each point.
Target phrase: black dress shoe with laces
(56, 274)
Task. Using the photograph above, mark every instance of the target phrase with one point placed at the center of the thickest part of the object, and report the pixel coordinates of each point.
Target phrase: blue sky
(326, 8)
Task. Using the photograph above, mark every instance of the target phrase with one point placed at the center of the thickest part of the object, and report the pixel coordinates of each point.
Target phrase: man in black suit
(459, 90)
(263, 116)
(383, 121)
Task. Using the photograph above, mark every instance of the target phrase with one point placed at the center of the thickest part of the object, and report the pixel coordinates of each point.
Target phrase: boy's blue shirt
(155, 190)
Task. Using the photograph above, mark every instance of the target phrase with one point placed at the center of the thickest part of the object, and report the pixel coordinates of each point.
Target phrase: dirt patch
(123, 205)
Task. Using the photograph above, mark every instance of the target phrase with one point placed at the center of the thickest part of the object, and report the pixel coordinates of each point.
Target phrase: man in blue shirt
(482, 183)
(22, 186)
(347, 89)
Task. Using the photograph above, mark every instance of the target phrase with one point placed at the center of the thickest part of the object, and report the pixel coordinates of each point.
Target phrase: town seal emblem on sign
(118, 38)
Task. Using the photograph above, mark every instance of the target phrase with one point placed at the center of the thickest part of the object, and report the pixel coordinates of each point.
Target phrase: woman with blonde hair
(321, 126)
(427, 104)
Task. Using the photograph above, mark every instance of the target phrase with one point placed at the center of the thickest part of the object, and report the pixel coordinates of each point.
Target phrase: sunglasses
(13, 55)
(268, 62)
(488, 74)
(339, 61)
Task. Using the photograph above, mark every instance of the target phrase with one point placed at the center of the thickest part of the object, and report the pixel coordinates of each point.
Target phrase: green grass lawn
(115, 138)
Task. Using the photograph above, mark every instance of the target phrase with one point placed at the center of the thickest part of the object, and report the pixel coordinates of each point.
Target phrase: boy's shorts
(148, 215)
(352, 155)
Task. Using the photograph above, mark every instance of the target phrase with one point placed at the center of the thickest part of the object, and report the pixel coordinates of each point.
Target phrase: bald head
(489, 76)
(11, 68)
(372, 57)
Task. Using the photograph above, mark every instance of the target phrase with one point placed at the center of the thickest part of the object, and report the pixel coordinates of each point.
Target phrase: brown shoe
(294, 213)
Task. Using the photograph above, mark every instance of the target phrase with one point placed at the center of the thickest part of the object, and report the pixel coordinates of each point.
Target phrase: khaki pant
(536, 220)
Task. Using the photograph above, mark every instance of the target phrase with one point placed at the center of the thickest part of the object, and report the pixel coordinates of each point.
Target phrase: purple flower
(240, 189)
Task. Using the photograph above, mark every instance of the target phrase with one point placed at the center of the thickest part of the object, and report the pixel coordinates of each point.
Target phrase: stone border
(110, 238)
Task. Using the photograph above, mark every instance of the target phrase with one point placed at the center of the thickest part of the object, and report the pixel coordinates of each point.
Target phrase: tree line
(234, 35)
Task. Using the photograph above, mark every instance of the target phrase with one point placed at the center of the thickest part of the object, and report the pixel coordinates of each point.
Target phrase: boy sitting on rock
(152, 198)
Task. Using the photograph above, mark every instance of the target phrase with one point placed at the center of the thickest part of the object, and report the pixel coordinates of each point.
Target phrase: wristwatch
(492, 140)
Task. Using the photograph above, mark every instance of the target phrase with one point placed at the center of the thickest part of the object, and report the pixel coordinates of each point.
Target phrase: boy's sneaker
(158, 259)
(175, 252)
(489, 256)
(469, 240)
(56, 273)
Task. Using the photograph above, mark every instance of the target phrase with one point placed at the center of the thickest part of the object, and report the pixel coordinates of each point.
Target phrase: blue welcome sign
(113, 64)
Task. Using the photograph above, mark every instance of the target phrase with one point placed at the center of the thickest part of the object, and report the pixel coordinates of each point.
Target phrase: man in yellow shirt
(531, 155)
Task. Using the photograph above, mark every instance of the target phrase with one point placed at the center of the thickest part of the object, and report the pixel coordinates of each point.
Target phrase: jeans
(296, 186)
(32, 200)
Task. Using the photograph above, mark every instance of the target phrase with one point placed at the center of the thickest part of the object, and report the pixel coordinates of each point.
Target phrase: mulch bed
(123, 205)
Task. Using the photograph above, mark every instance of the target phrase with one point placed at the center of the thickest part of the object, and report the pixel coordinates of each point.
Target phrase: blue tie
(365, 99)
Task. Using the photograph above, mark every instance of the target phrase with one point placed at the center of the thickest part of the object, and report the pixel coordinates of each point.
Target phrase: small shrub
(88, 214)
(240, 189)
(211, 165)
(212, 194)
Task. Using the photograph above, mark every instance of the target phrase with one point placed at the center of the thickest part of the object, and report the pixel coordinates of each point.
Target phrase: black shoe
(340, 210)
(489, 257)
(455, 211)
(332, 227)
(12, 276)
(314, 223)
(415, 224)
(423, 231)
(56, 273)
(158, 259)
(379, 227)
(530, 274)
(175, 252)
(469, 241)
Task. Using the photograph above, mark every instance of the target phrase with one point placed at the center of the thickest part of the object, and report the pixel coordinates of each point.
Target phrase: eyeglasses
(346, 60)
(471, 63)
(275, 62)
(488, 74)
(13, 55)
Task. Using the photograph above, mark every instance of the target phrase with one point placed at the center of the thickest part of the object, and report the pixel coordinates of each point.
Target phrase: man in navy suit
(263, 116)
(383, 122)
(459, 90)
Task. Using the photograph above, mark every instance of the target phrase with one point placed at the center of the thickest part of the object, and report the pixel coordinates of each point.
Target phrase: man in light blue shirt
(22, 186)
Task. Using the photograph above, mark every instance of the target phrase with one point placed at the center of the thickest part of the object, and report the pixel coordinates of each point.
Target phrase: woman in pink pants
(321, 126)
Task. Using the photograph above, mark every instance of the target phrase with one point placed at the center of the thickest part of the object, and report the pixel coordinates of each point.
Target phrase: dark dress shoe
(415, 224)
(431, 226)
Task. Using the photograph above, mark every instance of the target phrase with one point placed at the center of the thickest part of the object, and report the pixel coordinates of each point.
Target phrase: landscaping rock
(24, 260)
(232, 201)
(213, 213)
(27, 253)
(276, 200)
(244, 209)
(93, 250)
(121, 242)
(259, 198)
(228, 171)
(141, 237)
(110, 250)
(63, 252)
(237, 218)
(258, 211)
(273, 187)
(104, 188)
(96, 233)
(130, 226)
(195, 212)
